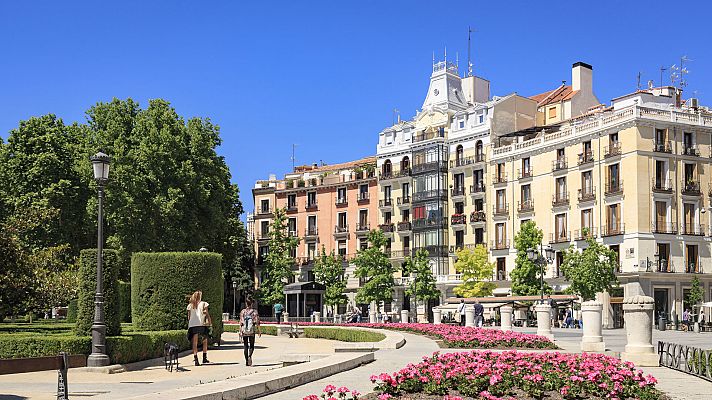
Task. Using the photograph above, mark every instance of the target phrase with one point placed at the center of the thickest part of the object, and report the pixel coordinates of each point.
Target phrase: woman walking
(198, 322)
(249, 324)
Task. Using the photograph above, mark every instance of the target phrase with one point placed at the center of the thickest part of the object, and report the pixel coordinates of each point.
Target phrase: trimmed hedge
(162, 282)
(124, 301)
(72, 311)
(121, 349)
(87, 289)
(343, 335)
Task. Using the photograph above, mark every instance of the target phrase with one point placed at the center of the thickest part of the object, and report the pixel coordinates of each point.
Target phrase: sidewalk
(226, 362)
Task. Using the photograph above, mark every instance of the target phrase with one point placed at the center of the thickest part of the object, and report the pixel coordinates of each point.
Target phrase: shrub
(124, 301)
(72, 311)
(143, 345)
(37, 345)
(87, 289)
(162, 282)
(343, 335)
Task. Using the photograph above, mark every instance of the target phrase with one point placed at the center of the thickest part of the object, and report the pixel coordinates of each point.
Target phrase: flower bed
(486, 375)
(464, 337)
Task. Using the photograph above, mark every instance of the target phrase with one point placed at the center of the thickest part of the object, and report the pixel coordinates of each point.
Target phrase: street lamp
(415, 293)
(98, 357)
(544, 256)
(234, 298)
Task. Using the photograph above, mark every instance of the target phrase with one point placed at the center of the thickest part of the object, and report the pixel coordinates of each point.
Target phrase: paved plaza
(228, 366)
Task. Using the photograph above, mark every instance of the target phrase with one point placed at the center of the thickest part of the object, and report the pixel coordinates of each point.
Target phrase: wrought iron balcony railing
(662, 185)
(458, 219)
(662, 147)
(585, 158)
(664, 227)
(612, 150)
(613, 229)
(587, 194)
(560, 199)
(525, 206)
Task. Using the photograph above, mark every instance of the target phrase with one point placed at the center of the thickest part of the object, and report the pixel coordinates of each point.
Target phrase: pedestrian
(198, 322)
(479, 314)
(278, 310)
(249, 325)
(461, 312)
(569, 323)
(701, 319)
(686, 319)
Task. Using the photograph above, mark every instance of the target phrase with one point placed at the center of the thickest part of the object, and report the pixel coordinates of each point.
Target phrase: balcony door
(587, 182)
(688, 212)
(501, 199)
(500, 234)
(660, 174)
(664, 257)
(342, 220)
(613, 218)
(587, 221)
(560, 227)
(614, 176)
(661, 216)
(459, 183)
(311, 224)
(560, 188)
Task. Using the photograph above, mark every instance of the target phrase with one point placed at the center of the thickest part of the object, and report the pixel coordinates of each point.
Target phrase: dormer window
(482, 118)
(461, 123)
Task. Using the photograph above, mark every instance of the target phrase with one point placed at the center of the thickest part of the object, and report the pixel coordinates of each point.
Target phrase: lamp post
(234, 297)
(98, 357)
(544, 256)
(415, 293)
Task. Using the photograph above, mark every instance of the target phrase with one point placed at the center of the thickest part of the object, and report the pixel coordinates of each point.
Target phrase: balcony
(587, 194)
(480, 158)
(341, 230)
(263, 211)
(462, 162)
(662, 185)
(560, 199)
(693, 229)
(362, 229)
(311, 205)
(498, 179)
(458, 219)
(387, 175)
(500, 244)
(434, 251)
(525, 173)
(363, 197)
(421, 137)
(454, 249)
(433, 166)
(586, 233)
(692, 268)
(690, 150)
(614, 188)
(585, 158)
(558, 165)
(559, 237)
(612, 150)
(525, 206)
(663, 227)
(477, 188)
(478, 217)
(291, 208)
(397, 254)
(403, 201)
(500, 210)
(311, 232)
(691, 188)
(263, 236)
(613, 229)
(430, 195)
(404, 226)
(386, 228)
(458, 191)
(662, 147)
(429, 223)
(341, 201)
(385, 203)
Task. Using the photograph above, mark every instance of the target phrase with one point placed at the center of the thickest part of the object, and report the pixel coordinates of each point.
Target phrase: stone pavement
(226, 362)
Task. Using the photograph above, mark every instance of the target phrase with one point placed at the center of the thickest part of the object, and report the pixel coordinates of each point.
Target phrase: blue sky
(323, 75)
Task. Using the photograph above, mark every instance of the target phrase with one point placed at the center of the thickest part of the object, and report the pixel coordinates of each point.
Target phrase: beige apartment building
(328, 206)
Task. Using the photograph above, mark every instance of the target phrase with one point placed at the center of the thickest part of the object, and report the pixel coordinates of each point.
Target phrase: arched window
(479, 152)
(405, 164)
(387, 168)
(458, 154)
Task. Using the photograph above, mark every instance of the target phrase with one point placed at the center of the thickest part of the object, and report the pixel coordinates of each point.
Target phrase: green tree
(526, 274)
(279, 261)
(423, 287)
(590, 271)
(329, 271)
(15, 273)
(694, 296)
(373, 265)
(475, 268)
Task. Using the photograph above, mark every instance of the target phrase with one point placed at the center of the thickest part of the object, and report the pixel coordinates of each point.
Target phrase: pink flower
(384, 396)
(329, 389)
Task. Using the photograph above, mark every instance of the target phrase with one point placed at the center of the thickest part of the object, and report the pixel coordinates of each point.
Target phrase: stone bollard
(506, 317)
(372, 317)
(638, 316)
(317, 316)
(404, 316)
(469, 316)
(592, 339)
(285, 317)
(437, 316)
(543, 320)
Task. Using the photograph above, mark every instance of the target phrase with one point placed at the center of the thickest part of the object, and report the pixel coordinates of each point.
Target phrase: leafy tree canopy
(373, 265)
(475, 268)
(526, 274)
(695, 295)
(329, 271)
(423, 286)
(279, 261)
(590, 271)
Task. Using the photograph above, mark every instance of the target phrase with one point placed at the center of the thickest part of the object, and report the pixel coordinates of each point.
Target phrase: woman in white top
(198, 323)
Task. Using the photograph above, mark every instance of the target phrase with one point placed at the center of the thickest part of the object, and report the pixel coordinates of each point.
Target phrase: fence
(692, 360)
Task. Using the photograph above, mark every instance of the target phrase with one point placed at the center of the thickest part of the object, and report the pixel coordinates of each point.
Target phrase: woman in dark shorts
(198, 323)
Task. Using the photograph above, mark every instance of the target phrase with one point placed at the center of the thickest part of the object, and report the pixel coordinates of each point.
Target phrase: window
(691, 258)
(561, 188)
(526, 193)
(526, 167)
(501, 268)
(419, 212)
(500, 234)
(479, 236)
(586, 220)
(461, 123)
(387, 168)
(363, 243)
(689, 214)
(501, 199)
(292, 201)
(689, 173)
(481, 119)
(341, 195)
(459, 183)
(311, 199)
(405, 215)
(613, 138)
(406, 190)
(459, 154)
(387, 192)
(560, 154)
(560, 227)
(311, 251)
(264, 206)
(661, 216)
(405, 163)
(342, 220)
(479, 151)
(342, 247)
(614, 218)
(479, 205)
(264, 231)
(587, 182)
(459, 239)
(363, 190)
(613, 177)
(501, 172)
(292, 226)
(660, 139)
(552, 112)
(311, 225)
(387, 217)
(459, 207)
(406, 243)
(587, 147)
(363, 218)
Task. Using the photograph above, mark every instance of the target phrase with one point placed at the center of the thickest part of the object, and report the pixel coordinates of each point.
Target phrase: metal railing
(360, 227)
(478, 216)
(458, 191)
(612, 230)
(525, 173)
(662, 185)
(691, 188)
(585, 158)
(500, 209)
(613, 149)
(340, 229)
(560, 199)
(477, 188)
(313, 231)
(341, 201)
(311, 205)
(429, 195)
(500, 244)
(558, 165)
(559, 237)
(386, 227)
(525, 206)
(587, 194)
(662, 147)
(690, 150)
(264, 210)
(462, 161)
(404, 226)
(692, 229)
(458, 219)
(429, 166)
(583, 234)
(385, 202)
(363, 196)
(499, 178)
(401, 201)
(692, 360)
(613, 188)
(664, 227)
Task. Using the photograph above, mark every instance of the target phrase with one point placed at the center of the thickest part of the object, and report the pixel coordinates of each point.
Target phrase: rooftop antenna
(469, 43)
(457, 58)
(396, 116)
(638, 85)
(662, 70)
(294, 146)
(446, 56)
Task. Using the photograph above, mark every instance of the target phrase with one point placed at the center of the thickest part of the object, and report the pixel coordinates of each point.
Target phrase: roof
(335, 167)
(562, 93)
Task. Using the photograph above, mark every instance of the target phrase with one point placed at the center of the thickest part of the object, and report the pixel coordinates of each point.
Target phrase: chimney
(582, 77)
